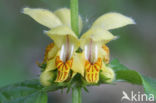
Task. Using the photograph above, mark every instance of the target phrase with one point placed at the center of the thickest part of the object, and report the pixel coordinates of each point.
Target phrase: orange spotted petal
(63, 69)
(106, 57)
(92, 71)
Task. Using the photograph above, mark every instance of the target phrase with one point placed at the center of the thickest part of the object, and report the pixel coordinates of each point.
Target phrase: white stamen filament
(61, 53)
(96, 51)
(91, 51)
(66, 50)
(86, 52)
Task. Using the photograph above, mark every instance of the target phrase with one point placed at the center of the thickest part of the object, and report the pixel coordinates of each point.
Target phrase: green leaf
(24, 92)
(131, 76)
(149, 85)
(85, 89)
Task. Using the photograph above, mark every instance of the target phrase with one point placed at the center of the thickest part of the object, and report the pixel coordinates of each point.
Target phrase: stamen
(67, 43)
(64, 62)
(91, 51)
(66, 50)
(62, 53)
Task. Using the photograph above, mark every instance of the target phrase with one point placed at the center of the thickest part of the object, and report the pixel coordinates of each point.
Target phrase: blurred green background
(22, 42)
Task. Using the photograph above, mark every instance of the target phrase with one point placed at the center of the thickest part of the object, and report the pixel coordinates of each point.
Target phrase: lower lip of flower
(93, 63)
(92, 71)
(64, 62)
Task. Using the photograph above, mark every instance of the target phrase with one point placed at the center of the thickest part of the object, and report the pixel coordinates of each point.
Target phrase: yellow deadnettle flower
(61, 54)
(93, 43)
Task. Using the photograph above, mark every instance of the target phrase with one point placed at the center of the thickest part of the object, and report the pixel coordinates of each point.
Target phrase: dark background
(22, 43)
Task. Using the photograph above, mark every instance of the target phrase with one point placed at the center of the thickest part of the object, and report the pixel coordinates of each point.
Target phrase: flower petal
(50, 52)
(50, 65)
(112, 21)
(43, 17)
(63, 69)
(104, 53)
(92, 71)
(64, 15)
(78, 63)
(59, 34)
(74, 74)
(97, 35)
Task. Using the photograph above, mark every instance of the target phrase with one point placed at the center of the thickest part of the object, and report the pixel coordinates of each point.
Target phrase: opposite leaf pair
(62, 56)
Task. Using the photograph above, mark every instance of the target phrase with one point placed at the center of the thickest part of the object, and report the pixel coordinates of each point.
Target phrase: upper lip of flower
(59, 24)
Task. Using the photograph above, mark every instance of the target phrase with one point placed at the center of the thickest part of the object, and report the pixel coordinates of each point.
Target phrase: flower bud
(47, 77)
(107, 75)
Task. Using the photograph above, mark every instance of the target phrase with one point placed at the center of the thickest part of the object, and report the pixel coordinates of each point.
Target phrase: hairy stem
(74, 16)
(76, 95)
(76, 91)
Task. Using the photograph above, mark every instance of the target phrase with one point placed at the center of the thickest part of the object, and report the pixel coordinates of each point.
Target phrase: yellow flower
(93, 43)
(61, 54)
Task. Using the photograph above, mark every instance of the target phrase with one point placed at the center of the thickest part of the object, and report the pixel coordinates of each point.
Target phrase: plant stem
(74, 16)
(76, 95)
(76, 91)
